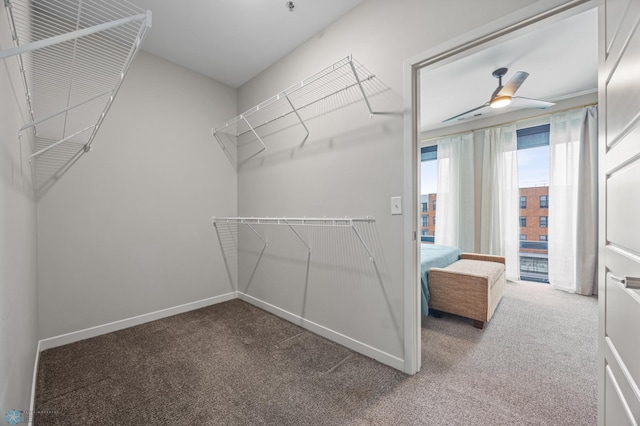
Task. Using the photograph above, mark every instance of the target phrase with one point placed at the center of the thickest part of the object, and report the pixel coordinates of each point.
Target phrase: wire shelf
(73, 56)
(302, 221)
(227, 231)
(296, 103)
(293, 222)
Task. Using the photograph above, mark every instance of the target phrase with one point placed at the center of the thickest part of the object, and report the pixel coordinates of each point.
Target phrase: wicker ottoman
(471, 287)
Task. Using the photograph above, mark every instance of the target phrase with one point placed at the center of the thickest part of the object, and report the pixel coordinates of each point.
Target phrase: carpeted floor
(232, 363)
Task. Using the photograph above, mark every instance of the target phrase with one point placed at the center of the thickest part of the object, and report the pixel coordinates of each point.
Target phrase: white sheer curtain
(455, 208)
(573, 200)
(499, 216)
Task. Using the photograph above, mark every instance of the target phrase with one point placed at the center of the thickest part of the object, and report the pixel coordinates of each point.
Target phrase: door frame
(515, 24)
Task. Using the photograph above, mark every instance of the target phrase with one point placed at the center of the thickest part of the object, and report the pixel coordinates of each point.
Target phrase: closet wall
(17, 242)
(127, 230)
(350, 166)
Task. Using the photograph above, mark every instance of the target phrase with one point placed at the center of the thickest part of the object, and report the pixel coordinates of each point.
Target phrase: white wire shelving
(344, 75)
(293, 222)
(73, 56)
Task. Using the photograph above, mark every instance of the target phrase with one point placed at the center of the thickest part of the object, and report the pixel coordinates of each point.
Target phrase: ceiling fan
(504, 95)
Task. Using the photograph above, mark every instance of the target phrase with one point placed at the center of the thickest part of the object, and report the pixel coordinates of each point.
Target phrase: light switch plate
(396, 205)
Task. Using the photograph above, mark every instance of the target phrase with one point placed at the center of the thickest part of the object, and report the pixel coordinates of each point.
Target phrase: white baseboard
(363, 348)
(32, 404)
(87, 333)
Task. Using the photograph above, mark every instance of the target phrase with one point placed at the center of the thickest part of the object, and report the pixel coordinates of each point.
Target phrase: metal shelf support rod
(42, 151)
(55, 114)
(254, 132)
(295, 111)
(364, 95)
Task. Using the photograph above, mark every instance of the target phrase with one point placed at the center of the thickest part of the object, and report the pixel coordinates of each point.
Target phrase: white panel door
(619, 104)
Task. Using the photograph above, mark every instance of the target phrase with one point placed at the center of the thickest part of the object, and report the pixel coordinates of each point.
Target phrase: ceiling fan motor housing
(500, 72)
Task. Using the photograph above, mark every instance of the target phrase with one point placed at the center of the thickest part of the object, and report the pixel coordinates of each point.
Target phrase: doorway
(432, 67)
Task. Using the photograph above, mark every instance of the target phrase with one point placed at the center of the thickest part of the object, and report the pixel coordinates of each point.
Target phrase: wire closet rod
(306, 221)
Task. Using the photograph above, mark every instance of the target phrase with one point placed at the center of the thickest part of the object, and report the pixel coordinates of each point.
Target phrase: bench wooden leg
(478, 324)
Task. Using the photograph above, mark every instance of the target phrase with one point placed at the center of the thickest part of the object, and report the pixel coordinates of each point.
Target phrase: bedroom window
(428, 192)
(533, 176)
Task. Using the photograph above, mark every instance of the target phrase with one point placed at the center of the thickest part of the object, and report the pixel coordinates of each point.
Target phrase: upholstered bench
(470, 287)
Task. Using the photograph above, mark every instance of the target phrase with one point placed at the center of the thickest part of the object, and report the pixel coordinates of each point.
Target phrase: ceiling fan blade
(521, 102)
(513, 84)
(460, 116)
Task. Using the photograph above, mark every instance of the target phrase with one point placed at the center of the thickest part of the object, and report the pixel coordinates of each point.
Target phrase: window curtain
(573, 200)
(499, 216)
(455, 208)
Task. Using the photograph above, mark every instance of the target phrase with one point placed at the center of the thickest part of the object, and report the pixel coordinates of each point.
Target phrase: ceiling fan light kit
(500, 101)
(503, 95)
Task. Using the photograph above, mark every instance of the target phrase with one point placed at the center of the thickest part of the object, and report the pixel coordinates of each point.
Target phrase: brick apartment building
(534, 222)
(427, 217)
(534, 214)
(534, 217)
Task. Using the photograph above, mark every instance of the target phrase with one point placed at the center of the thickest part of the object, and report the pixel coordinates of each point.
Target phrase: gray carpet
(232, 363)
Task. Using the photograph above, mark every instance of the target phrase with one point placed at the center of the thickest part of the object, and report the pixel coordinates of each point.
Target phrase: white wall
(350, 167)
(17, 242)
(127, 230)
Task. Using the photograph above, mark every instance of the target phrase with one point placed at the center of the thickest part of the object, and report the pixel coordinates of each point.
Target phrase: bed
(434, 255)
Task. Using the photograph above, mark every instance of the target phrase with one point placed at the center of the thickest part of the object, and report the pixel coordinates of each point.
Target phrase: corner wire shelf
(346, 74)
(73, 56)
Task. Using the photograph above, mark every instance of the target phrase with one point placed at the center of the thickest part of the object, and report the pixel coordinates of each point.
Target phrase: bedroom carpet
(234, 364)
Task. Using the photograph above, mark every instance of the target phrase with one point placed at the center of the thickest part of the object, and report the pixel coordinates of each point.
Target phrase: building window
(425, 207)
(434, 205)
(543, 238)
(544, 201)
(523, 221)
(523, 237)
(425, 220)
(543, 221)
(424, 233)
(434, 223)
(523, 202)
